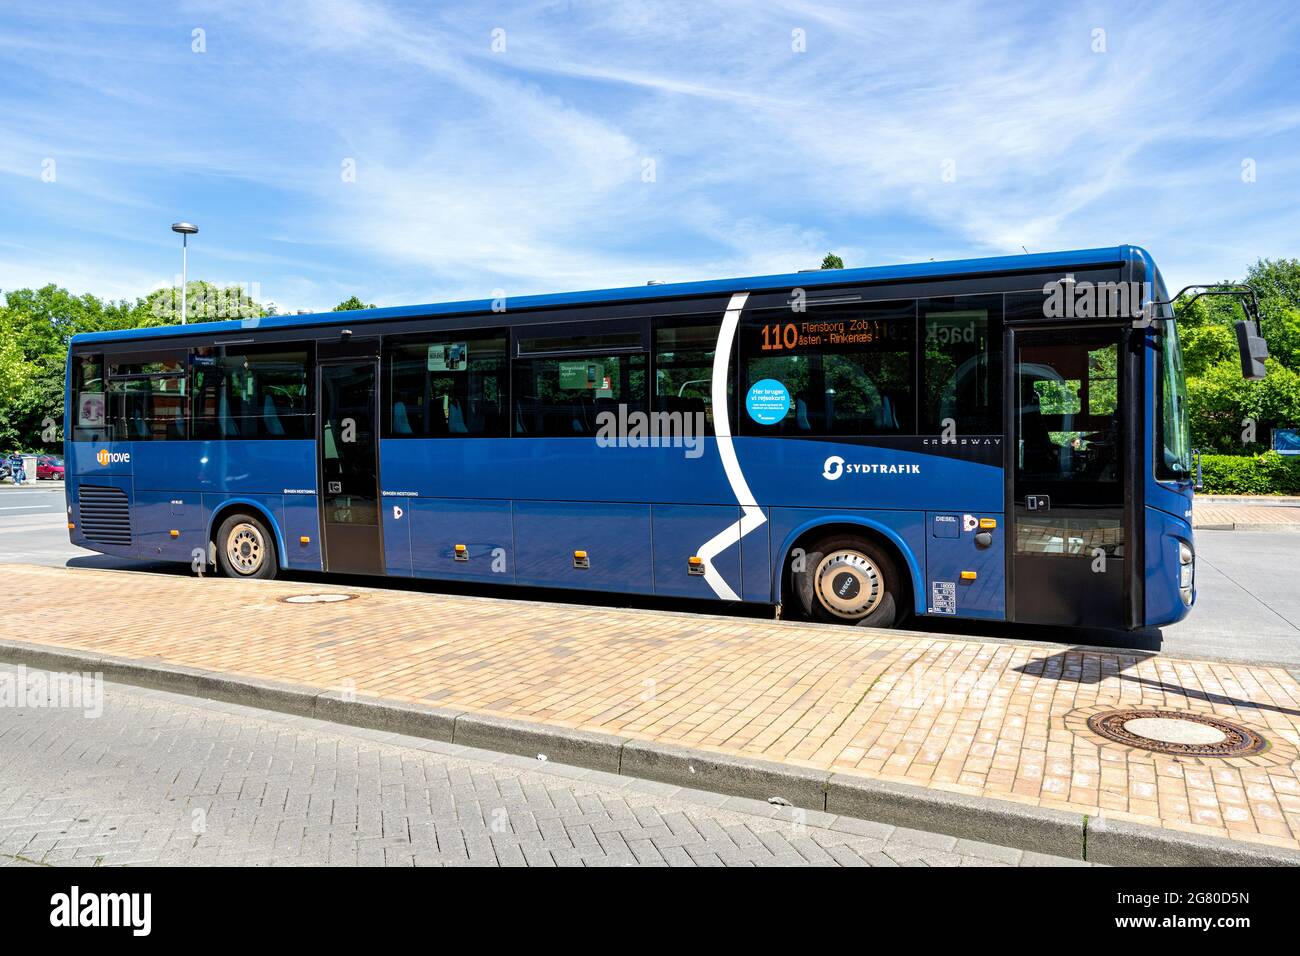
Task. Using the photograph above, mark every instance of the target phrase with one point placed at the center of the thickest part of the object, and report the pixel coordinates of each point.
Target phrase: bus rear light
(580, 560)
(695, 564)
(462, 553)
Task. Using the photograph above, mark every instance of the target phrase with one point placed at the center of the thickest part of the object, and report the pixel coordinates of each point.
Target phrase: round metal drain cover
(1192, 735)
(317, 598)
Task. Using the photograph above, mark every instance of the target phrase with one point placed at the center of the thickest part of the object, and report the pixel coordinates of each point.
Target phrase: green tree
(37, 326)
(205, 302)
(14, 370)
(350, 304)
(832, 261)
(1230, 414)
(1207, 325)
(1226, 410)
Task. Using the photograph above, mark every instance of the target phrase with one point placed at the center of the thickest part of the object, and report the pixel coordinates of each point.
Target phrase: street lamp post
(186, 229)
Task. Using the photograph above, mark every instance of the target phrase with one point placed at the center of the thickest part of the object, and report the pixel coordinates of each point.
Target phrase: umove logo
(835, 466)
(103, 909)
(115, 457)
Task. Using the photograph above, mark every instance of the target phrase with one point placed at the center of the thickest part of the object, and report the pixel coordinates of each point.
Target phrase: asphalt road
(159, 779)
(1248, 601)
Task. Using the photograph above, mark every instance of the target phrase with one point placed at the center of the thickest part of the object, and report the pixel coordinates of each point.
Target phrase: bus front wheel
(245, 548)
(848, 580)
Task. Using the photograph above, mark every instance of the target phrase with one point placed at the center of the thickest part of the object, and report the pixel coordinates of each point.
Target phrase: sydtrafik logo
(835, 466)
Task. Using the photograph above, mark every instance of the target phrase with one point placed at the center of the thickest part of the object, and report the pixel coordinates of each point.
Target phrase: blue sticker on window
(768, 401)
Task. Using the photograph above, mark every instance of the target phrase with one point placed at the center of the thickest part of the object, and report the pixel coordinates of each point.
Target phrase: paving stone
(870, 709)
(273, 789)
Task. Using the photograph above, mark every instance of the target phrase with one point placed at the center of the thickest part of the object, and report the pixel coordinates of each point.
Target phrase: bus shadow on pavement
(108, 562)
(1081, 665)
(1147, 639)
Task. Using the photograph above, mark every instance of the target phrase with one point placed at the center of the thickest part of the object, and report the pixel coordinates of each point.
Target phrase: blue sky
(900, 132)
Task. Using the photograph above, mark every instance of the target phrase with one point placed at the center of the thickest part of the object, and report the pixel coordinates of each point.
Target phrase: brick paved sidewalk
(993, 719)
(1227, 513)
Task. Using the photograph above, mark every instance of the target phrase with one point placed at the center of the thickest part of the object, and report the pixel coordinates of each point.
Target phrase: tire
(845, 579)
(246, 548)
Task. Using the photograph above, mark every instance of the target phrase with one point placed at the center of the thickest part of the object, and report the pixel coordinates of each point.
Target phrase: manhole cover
(317, 598)
(1193, 735)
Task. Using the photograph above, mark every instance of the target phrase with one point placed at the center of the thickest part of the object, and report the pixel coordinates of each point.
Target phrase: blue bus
(1001, 439)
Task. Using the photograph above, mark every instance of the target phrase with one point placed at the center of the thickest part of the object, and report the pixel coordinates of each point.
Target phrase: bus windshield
(1173, 443)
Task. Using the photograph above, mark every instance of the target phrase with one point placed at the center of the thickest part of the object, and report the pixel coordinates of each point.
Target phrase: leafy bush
(1266, 474)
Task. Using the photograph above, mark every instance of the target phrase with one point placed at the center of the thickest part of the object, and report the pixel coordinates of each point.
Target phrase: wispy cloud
(576, 145)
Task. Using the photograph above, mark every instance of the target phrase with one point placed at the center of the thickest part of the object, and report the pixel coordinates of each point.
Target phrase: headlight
(1184, 553)
(1185, 576)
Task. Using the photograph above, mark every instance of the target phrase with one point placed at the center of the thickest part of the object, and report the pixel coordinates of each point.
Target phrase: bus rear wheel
(844, 579)
(246, 549)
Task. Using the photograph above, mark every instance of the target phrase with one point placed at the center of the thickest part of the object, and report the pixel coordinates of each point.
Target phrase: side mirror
(1199, 484)
(1253, 349)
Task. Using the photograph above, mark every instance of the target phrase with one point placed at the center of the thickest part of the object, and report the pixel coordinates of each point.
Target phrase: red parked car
(47, 466)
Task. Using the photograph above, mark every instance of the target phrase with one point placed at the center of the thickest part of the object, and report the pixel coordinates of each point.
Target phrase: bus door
(348, 452)
(1068, 552)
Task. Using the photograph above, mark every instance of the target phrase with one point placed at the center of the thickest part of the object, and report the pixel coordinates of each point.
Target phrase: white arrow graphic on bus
(751, 515)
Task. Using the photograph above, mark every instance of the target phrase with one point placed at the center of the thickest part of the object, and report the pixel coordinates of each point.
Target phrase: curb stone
(1276, 528)
(1029, 828)
(1001, 822)
(583, 748)
(1120, 843)
(725, 773)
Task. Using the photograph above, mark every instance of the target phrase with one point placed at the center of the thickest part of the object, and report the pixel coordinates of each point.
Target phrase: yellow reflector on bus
(304, 540)
(988, 522)
(71, 526)
(462, 553)
(968, 575)
(580, 559)
(174, 533)
(695, 564)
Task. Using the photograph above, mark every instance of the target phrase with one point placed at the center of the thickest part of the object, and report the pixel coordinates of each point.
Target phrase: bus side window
(961, 365)
(683, 369)
(252, 392)
(146, 396)
(570, 379)
(452, 385)
(89, 415)
(837, 370)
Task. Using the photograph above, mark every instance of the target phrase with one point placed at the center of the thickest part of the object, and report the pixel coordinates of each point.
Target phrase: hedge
(1266, 474)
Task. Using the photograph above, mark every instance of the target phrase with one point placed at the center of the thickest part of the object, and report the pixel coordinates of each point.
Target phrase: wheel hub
(848, 584)
(245, 548)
